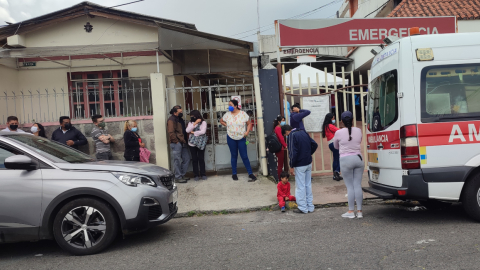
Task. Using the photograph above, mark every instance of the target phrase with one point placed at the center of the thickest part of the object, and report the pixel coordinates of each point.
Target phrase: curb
(273, 207)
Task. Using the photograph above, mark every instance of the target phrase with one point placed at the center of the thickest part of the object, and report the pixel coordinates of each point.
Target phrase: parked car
(51, 191)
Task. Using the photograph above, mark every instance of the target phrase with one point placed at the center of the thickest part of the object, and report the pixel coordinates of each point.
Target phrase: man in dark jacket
(178, 144)
(297, 116)
(68, 135)
(301, 147)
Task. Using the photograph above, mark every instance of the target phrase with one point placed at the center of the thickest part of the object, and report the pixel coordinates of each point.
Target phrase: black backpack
(273, 144)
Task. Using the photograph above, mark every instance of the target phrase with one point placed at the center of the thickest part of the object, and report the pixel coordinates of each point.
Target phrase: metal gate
(322, 159)
(211, 99)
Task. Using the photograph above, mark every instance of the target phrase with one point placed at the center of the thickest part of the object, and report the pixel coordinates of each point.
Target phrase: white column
(260, 128)
(160, 119)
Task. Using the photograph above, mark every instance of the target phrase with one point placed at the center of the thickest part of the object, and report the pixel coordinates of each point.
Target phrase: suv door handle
(380, 146)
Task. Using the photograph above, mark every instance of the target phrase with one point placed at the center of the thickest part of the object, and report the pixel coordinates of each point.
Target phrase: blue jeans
(336, 158)
(235, 147)
(303, 188)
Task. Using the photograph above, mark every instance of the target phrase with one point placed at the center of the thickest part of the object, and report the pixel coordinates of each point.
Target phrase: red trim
(89, 56)
(386, 138)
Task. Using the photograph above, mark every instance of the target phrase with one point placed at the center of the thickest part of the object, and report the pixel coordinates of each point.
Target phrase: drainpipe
(260, 128)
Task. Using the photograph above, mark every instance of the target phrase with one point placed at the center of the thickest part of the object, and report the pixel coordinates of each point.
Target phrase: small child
(283, 193)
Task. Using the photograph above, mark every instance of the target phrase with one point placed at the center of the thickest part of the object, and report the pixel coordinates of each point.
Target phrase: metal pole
(336, 96)
(261, 131)
(48, 105)
(158, 63)
(354, 111)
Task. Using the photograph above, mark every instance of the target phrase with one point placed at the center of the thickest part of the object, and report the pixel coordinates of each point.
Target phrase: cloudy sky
(231, 18)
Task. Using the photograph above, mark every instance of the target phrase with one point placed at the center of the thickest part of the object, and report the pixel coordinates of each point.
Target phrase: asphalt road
(389, 237)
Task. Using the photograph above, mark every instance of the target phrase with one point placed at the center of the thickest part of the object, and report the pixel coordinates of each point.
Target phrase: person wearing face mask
(178, 144)
(12, 125)
(278, 124)
(328, 131)
(69, 135)
(132, 141)
(197, 128)
(38, 130)
(101, 138)
(236, 120)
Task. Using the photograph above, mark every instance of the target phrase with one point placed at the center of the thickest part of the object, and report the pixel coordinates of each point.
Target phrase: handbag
(145, 155)
(198, 141)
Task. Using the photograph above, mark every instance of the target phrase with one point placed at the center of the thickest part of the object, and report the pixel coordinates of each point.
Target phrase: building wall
(105, 31)
(8, 83)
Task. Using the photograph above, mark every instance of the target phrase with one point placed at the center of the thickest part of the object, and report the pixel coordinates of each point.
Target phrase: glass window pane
(382, 108)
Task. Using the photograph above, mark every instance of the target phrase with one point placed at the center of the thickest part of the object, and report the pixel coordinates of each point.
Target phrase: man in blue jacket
(68, 135)
(297, 116)
(300, 150)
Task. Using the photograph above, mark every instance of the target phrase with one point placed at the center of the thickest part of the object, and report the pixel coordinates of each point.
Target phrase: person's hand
(246, 134)
(198, 121)
(292, 171)
(70, 142)
(142, 145)
(286, 199)
(192, 132)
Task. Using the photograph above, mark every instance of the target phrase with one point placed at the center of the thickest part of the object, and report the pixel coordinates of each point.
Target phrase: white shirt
(236, 125)
(18, 130)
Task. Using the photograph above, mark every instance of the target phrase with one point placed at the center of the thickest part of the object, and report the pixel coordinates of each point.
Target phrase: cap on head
(347, 114)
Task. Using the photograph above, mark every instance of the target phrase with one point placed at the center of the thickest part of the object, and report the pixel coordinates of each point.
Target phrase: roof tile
(462, 9)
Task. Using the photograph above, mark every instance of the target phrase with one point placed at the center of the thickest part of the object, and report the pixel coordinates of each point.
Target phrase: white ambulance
(423, 121)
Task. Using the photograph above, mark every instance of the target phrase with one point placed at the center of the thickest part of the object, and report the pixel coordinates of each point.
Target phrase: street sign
(356, 32)
(29, 64)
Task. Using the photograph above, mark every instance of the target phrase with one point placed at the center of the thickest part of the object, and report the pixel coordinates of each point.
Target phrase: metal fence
(340, 91)
(120, 98)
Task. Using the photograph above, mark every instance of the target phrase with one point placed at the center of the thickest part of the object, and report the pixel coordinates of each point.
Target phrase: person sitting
(283, 191)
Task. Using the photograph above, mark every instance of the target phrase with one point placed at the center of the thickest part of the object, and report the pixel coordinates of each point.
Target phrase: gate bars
(345, 90)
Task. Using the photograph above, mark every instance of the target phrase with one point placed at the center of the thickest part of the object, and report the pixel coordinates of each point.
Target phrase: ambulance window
(382, 102)
(450, 93)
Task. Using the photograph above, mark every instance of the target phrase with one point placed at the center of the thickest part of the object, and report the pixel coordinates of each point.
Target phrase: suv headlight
(134, 179)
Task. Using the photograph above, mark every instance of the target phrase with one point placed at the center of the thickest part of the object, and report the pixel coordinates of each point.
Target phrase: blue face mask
(283, 123)
(333, 121)
(231, 108)
(134, 129)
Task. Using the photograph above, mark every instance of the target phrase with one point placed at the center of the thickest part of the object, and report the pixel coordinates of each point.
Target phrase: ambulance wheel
(434, 205)
(471, 197)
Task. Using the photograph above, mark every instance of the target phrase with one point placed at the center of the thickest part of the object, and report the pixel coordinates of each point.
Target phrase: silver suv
(51, 191)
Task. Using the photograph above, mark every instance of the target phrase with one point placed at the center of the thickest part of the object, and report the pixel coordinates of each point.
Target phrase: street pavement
(220, 193)
(390, 236)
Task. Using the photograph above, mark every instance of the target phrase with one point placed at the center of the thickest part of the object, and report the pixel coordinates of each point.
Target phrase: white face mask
(34, 129)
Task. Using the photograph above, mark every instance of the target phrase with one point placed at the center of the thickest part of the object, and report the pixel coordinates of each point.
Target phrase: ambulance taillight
(409, 147)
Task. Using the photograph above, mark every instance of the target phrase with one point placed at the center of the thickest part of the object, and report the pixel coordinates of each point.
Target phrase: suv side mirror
(20, 162)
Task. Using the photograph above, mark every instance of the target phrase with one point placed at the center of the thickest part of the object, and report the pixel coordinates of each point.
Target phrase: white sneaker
(359, 214)
(349, 215)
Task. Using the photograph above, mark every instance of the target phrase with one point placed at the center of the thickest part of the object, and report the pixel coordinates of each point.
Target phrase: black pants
(132, 158)
(198, 159)
(104, 156)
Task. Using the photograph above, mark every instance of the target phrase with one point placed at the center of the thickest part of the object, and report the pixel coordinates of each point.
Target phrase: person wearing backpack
(278, 123)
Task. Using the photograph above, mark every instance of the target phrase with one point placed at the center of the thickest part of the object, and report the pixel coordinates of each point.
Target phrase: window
(56, 152)
(450, 93)
(382, 102)
(4, 154)
(97, 92)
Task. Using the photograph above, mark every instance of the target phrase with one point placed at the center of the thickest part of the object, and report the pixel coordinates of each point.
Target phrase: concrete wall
(8, 83)
(116, 129)
(105, 31)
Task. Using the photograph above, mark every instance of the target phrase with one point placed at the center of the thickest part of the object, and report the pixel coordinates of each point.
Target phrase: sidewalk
(220, 193)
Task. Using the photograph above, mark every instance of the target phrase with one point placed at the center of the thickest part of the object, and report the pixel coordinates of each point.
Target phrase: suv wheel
(85, 226)
(471, 197)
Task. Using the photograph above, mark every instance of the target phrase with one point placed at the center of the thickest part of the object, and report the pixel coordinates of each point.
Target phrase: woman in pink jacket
(197, 128)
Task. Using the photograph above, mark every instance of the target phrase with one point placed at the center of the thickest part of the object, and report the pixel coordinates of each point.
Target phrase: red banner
(357, 32)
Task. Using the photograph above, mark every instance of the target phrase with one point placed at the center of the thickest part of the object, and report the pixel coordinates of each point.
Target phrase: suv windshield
(52, 150)
(450, 93)
(382, 102)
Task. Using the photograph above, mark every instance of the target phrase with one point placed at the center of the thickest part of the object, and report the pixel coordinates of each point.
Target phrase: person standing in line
(176, 136)
(278, 124)
(301, 147)
(12, 125)
(348, 140)
(328, 131)
(297, 116)
(38, 130)
(197, 128)
(132, 141)
(235, 120)
(68, 134)
(101, 138)
(185, 150)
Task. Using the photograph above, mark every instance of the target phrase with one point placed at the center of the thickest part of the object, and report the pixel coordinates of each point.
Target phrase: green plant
(191, 213)
(215, 213)
(224, 212)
